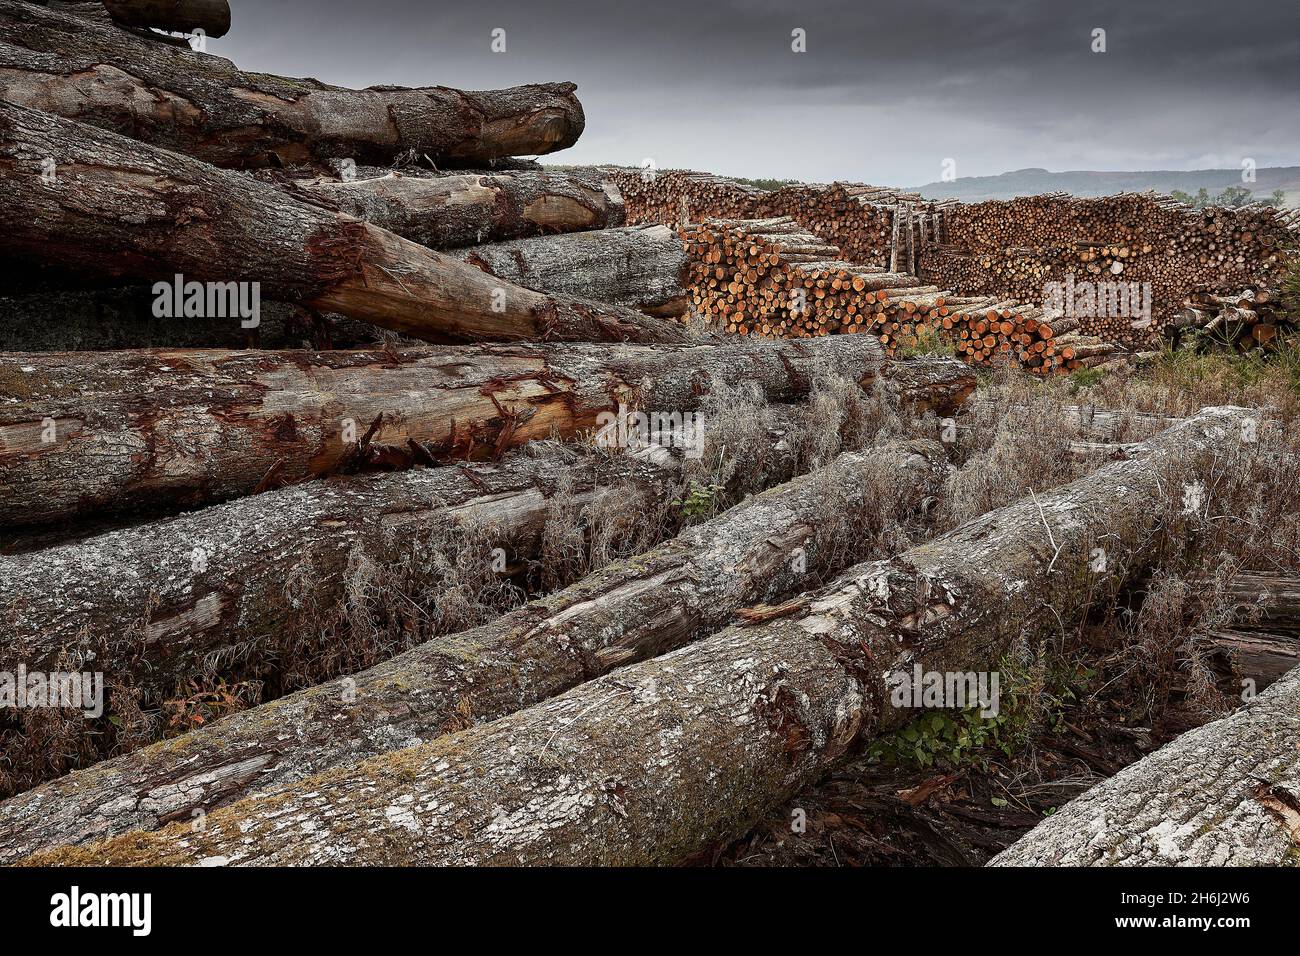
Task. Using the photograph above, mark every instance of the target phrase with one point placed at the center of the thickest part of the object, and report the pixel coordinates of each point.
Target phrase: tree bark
(110, 207)
(202, 105)
(179, 16)
(764, 549)
(144, 431)
(670, 757)
(471, 209)
(1226, 794)
(641, 267)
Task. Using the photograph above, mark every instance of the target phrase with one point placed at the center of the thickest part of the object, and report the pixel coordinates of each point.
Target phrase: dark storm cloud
(885, 92)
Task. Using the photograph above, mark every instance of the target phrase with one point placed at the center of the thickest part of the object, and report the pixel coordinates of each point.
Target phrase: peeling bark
(471, 209)
(202, 105)
(1225, 794)
(670, 757)
(84, 433)
(113, 208)
(763, 550)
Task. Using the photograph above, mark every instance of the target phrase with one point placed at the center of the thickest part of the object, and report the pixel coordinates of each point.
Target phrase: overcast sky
(884, 94)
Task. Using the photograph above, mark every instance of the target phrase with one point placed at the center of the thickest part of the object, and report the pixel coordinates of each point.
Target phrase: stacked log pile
(858, 219)
(772, 279)
(172, 515)
(1008, 249)
(1013, 247)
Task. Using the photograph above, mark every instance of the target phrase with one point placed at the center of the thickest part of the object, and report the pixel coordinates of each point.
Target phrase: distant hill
(1029, 182)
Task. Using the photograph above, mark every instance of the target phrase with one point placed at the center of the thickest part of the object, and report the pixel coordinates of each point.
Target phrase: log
(1225, 794)
(177, 16)
(667, 759)
(231, 602)
(641, 267)
(202, 105)
(471, 209)
(158, 215)
(145, 431)
(628, 611)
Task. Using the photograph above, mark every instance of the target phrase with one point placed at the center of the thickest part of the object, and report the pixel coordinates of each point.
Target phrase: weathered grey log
(180, 16)
(765, 549)
(213, 582)
(202, 105)
(668, 758)
(1262, 641)
(111, 207)
(151, 430)
(471, 209)
(1225, 794)
(642, 267)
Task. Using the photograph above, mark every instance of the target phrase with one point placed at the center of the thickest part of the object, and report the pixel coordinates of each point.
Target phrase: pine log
(763, 550)
(202, 105)
(471, 209)
(641, 267)
(667, 759)
(115, 208)
(1225, 794)
(177, 16)
(151, 430)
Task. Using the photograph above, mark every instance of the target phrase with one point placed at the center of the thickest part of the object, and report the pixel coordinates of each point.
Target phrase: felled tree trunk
(670, 757)
(202, 105)
(150, 430)
(641, 267)
(108, 206)
(1225, 794)
(216, 581)
(471, 209)
(767, 548)
(181, 16)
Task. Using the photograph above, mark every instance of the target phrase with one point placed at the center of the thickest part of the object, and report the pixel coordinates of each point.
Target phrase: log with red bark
(193, 103)
(763, 550)
(212, 17)
(1225, 794)
(102, 432)
(469, 209)
(107, 206)
(667, 759)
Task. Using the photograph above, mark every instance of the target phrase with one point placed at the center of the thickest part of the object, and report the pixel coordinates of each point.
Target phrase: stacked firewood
(772, 279)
